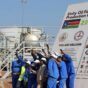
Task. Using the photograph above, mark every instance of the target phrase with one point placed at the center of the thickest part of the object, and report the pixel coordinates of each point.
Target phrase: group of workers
(52, 70)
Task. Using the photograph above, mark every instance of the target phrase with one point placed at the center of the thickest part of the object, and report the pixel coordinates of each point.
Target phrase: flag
(71, 24)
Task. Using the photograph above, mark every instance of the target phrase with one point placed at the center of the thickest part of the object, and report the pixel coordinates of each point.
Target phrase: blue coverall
(53, 73)
(15, 72)
(70, 71)
(63, 74)
(16, 67)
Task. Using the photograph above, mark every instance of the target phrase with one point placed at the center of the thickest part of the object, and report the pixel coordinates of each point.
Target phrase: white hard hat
(28, 62)
(55, 54)
(58, 54)
(43, 59)
(36, 61)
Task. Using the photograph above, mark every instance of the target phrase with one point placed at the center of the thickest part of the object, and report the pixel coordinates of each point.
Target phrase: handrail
(5, 66)
(11, 54)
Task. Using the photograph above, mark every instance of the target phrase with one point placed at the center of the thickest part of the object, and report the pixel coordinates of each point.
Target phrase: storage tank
(33, 36)
(35, 31)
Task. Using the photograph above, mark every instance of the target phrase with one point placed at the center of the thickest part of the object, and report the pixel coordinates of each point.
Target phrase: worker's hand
(47, 46)
(33, 71)
(61, 51)
(16, 53)
(43, 50)
(45, 54)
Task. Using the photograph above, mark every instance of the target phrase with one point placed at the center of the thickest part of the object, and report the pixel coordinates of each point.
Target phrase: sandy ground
(7, 82)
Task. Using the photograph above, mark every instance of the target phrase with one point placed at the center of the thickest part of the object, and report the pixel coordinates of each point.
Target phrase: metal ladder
(8, 63)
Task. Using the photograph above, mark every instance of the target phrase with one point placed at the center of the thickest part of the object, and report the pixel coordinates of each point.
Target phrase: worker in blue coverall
(53, 73)
(70, 70)
(62, 71)
(16, 67)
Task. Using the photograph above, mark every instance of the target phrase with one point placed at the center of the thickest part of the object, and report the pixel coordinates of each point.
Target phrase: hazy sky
(34, 12)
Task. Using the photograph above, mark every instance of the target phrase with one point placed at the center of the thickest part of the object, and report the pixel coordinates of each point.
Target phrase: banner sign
(73, 39)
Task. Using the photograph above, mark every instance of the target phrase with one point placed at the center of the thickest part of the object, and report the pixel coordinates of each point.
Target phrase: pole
(23, 2)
